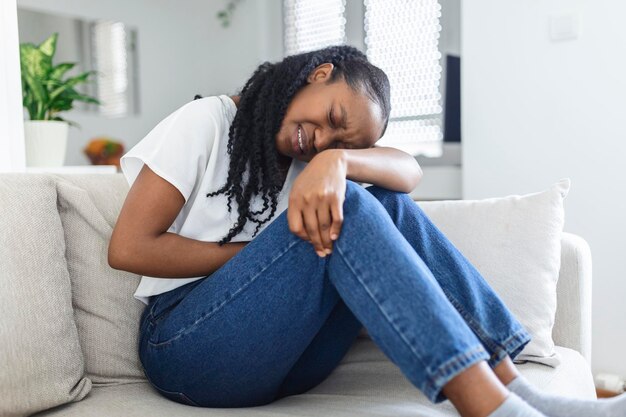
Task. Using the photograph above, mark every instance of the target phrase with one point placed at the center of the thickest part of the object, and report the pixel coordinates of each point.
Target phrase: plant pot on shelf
(46, 142)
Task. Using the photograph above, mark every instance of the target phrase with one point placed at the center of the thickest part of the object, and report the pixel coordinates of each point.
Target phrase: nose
(322, 140)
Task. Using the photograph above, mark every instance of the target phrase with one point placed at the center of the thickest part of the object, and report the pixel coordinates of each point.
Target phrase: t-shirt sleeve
(177, 149)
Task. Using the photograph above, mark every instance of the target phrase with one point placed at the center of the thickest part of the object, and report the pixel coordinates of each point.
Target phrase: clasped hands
(315, 211)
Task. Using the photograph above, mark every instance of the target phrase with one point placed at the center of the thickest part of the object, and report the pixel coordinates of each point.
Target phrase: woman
(247, 308)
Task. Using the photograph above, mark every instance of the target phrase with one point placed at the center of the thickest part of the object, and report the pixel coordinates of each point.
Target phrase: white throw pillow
(515, 243)
(41, 362)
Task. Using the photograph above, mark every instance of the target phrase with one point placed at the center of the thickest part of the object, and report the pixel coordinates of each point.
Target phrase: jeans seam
(398, 331)
(188, 328)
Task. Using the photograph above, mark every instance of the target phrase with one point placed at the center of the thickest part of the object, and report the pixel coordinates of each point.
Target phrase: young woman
(262, 258)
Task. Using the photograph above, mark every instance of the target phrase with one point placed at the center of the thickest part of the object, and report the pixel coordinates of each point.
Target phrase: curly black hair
(263, 102)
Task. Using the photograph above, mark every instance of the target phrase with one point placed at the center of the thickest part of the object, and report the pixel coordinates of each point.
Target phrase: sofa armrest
(572, 326)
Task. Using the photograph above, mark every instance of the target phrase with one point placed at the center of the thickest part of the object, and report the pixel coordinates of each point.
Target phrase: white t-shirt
(189, 150)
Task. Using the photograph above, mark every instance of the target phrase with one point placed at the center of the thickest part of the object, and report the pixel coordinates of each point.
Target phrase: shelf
(76, 169)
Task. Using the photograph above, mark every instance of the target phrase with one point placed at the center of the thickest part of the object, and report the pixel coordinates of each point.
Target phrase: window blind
(401, 37)
(311, 25)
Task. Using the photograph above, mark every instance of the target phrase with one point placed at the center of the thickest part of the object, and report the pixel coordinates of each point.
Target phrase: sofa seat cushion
(365, 383)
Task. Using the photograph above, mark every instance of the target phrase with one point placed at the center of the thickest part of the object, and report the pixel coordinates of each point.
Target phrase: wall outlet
(564, 27)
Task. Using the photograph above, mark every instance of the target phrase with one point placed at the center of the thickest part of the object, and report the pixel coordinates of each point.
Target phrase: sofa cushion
(366, 383)
(107, 315)
(515, 243)
(41, 363)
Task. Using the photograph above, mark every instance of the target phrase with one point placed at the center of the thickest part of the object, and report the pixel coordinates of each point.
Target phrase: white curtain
(12, 153)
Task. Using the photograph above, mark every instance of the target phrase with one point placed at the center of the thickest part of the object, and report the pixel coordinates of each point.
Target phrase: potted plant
(45, 94)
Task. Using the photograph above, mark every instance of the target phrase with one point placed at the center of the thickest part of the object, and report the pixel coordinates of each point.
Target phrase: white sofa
(103, 374)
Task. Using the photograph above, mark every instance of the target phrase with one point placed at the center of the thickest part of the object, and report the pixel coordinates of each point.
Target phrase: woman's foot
(514, 406)
(557, 406)
(477, 392)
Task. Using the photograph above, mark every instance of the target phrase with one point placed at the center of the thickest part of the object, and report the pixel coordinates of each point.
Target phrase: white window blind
(311, 25)
(110, 58)
(401, 37)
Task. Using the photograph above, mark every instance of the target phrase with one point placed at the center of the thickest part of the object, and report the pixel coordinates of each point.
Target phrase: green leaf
(44, 92)
(35, 62)
(70, 82)
(49, 46)
(58, 71)
(40, 96)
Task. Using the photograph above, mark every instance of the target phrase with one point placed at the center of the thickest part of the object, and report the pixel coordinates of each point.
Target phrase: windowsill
(451, 156)
(442, 179)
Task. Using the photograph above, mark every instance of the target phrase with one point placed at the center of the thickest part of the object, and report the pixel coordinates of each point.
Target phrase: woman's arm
(382, 166)
(141, 244)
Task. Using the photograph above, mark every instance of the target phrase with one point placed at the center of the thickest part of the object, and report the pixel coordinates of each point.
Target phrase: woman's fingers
(336, 209)
(296, 223)
(312, 228)
(324, 221)
(317, 224)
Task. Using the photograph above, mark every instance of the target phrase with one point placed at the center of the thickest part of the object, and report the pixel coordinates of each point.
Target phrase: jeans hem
(510, 347)
(449, 370)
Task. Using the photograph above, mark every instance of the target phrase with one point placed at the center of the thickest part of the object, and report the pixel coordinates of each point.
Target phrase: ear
(321, 73)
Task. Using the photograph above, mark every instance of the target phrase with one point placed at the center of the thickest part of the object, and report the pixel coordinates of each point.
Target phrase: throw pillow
(41, 363)
(107, 315)
(515, 243)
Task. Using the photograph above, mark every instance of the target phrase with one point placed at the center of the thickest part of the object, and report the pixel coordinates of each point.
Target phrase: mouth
(299, 141)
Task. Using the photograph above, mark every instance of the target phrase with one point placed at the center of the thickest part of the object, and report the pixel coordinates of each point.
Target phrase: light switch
(564, 27)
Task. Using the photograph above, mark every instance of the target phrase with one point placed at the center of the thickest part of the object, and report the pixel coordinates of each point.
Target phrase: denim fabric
(276, 319)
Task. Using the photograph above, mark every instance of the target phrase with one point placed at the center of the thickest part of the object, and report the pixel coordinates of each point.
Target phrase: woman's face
(325, 116)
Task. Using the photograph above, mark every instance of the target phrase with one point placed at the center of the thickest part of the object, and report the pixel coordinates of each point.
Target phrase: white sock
(514, 406)
(557, 406)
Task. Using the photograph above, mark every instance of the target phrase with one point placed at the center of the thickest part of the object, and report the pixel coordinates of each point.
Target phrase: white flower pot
(46, 142)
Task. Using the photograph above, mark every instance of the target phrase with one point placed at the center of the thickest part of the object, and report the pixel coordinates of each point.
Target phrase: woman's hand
(315, 211)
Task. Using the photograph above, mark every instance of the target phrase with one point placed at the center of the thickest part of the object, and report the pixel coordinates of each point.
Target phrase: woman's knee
(356, 195)
(388, 198)
(361, 204)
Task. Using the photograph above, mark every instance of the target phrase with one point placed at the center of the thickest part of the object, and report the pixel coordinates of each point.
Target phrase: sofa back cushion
(41, 363)
(107, 315)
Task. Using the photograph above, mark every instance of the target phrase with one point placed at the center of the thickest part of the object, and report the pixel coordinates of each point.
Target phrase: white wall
(535, 111)
(183, 50)
(12, 156)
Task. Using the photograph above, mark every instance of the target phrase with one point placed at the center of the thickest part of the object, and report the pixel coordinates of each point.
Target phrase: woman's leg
(233, 338)
(484, 312)
(230, 340)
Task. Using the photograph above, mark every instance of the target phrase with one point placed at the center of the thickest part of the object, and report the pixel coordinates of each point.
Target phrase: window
(399, 36)
(112, 50)
(109, 46)
(312, 25)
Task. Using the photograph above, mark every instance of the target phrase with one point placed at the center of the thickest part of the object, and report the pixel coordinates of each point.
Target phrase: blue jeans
(276, 319)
